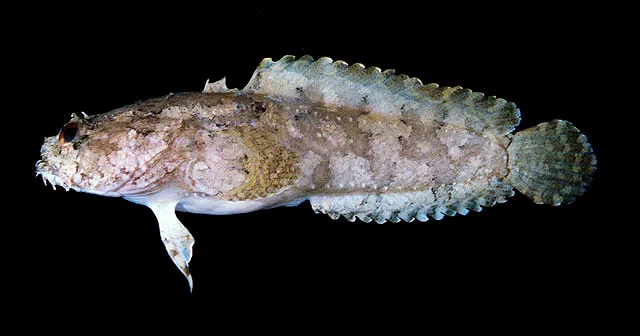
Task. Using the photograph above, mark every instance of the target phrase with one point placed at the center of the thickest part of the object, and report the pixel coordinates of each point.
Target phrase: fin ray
(551, 163)
(373, 90)
(421, 205)
(176, 238)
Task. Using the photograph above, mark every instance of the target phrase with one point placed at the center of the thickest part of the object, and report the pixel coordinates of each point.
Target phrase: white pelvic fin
(176, 238)
(217, 87)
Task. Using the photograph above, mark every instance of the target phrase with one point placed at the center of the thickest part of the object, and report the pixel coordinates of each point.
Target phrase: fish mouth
(48, 174)
(53, 180)
(43, 170)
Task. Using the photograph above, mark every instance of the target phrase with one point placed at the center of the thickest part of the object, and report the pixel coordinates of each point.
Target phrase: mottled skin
(229, 152)
(235, 146)
(354, 141)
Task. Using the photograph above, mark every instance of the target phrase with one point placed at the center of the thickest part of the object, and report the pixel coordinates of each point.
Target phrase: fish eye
(68, 133)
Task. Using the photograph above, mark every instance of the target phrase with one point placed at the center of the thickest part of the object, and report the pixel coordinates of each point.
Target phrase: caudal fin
(551, 163)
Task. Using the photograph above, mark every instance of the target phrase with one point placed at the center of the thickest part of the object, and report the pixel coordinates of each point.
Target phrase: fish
(354, 141)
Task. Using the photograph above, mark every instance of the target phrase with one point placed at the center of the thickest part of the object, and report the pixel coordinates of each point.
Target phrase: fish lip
(56, 181)
(52, 179)
(44, 170)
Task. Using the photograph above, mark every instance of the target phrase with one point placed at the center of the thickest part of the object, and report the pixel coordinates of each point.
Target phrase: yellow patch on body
(270, 166)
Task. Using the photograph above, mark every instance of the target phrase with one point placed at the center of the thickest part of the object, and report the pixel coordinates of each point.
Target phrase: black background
(517, 259)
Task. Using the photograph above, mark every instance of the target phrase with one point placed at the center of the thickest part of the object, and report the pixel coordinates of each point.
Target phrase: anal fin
(433, 203)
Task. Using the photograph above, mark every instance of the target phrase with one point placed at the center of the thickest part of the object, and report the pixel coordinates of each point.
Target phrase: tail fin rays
(551, 163)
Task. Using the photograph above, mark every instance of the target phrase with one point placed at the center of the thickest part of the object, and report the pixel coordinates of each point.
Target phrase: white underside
(211, 206)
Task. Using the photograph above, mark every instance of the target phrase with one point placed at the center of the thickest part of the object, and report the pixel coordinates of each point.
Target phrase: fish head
(107, 154)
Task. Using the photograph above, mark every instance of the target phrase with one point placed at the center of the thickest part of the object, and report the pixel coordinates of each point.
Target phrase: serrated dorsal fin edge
(336, 84)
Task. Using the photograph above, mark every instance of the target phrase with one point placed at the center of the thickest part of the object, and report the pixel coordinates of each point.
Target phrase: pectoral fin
(176, 238)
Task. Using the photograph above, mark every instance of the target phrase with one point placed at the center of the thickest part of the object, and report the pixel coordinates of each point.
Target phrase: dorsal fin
(339, 85)
(218, 86)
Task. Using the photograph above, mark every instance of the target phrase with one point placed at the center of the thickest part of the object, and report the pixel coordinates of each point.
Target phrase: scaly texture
(552, 163)
(339, 85)
(354, 141)
(270, 167)
(396, 206)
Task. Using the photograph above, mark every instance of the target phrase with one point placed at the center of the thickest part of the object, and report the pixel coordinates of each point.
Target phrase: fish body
(354, 141)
